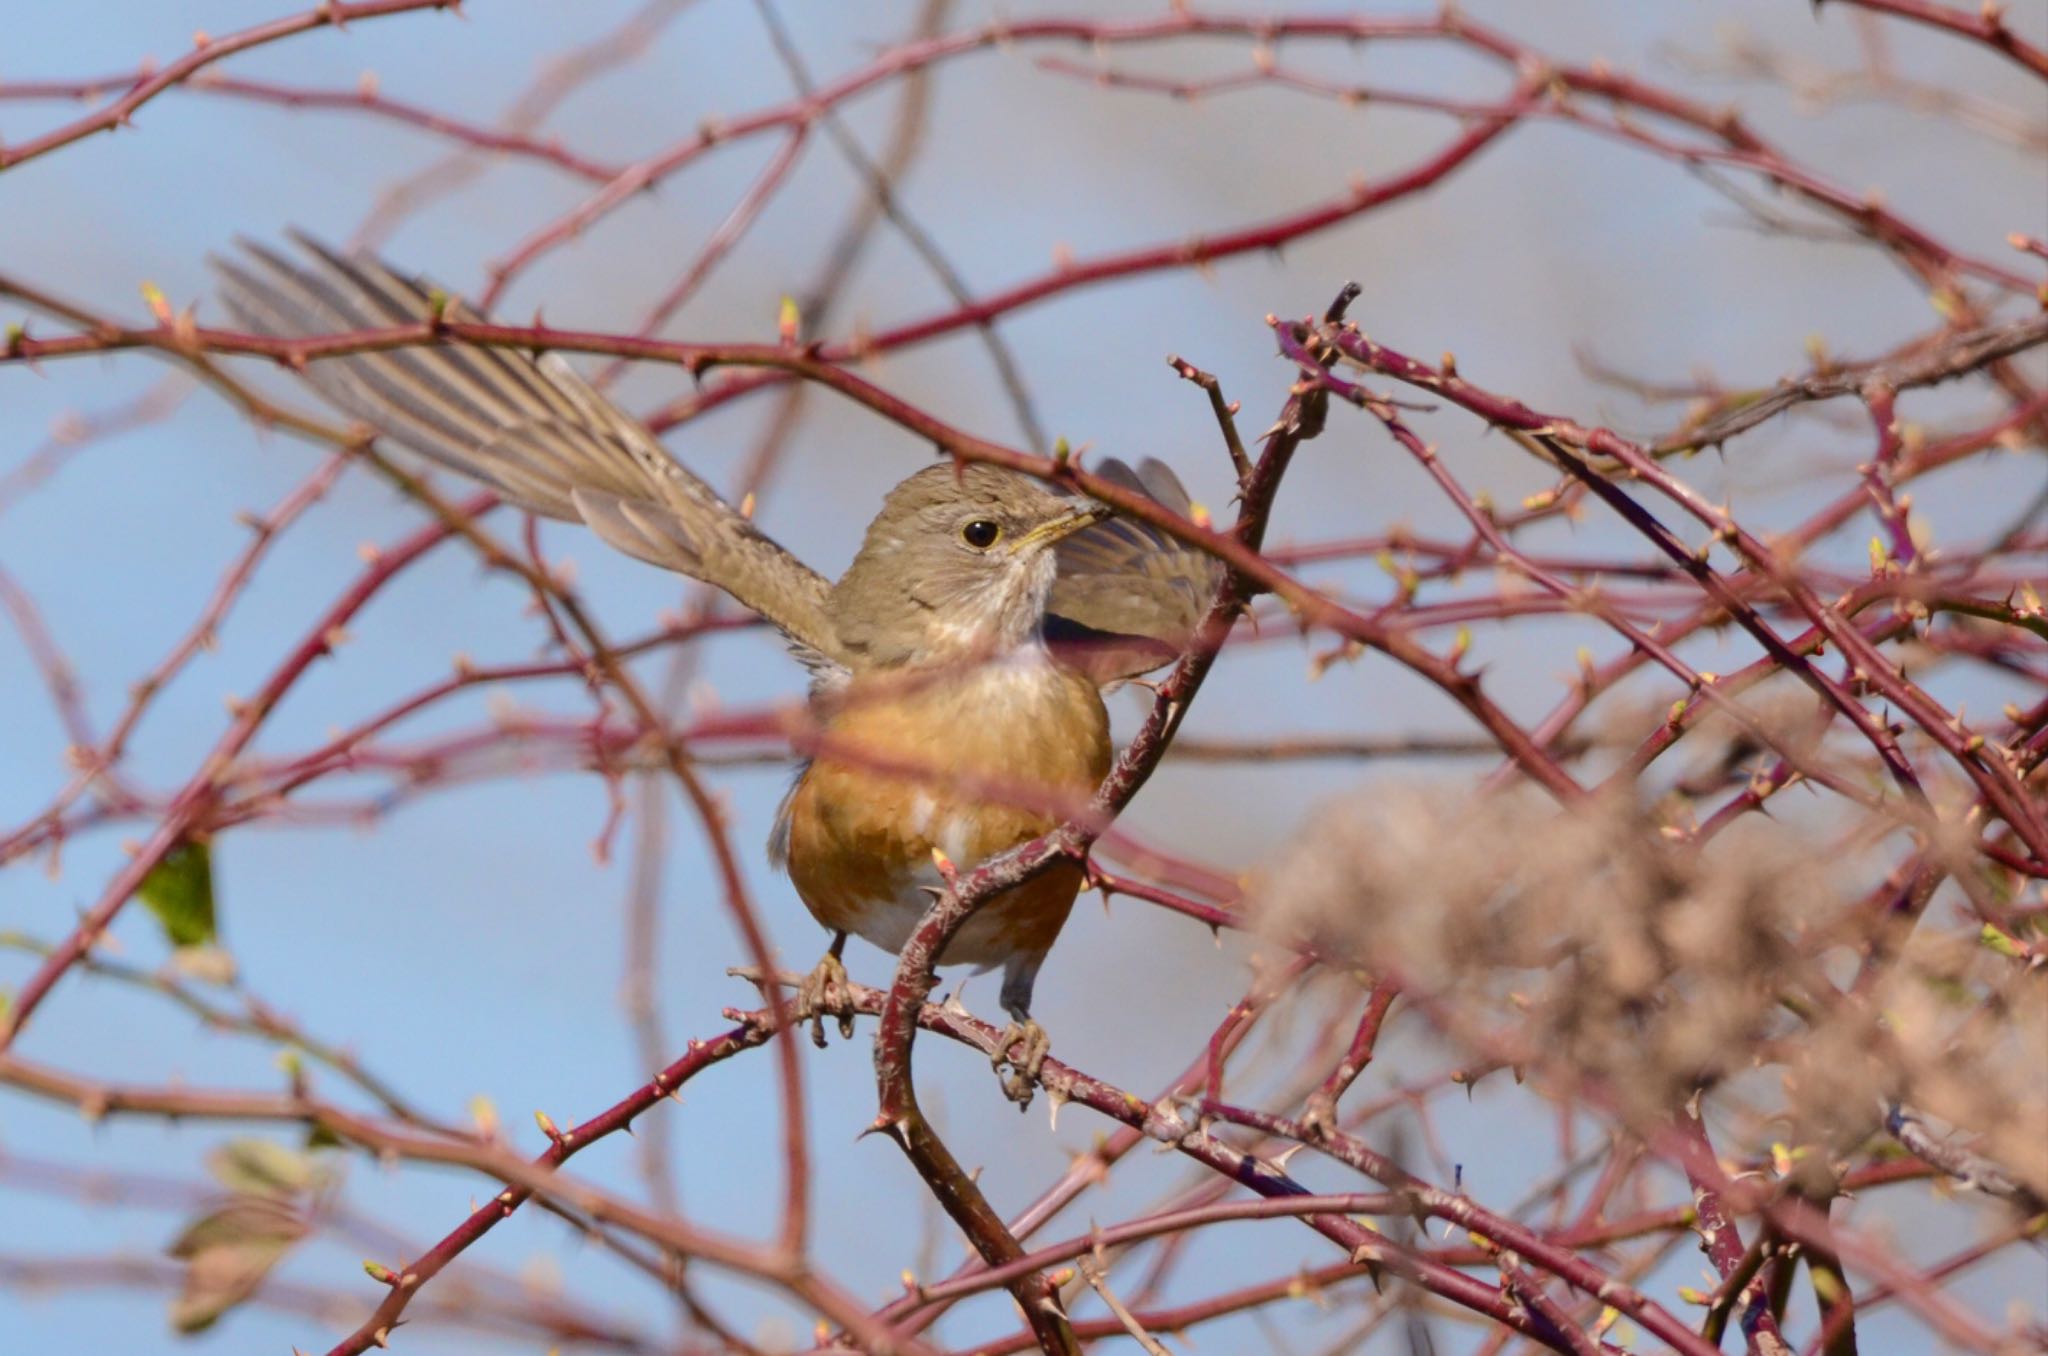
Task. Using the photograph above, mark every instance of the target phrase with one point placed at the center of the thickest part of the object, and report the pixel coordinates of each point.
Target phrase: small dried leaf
(207, 964)
(218, 1279)
(262, 1167)
(227, 1252)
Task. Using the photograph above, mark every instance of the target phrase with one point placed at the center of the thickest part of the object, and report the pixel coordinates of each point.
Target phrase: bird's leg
(824, 991)
(1019, 974)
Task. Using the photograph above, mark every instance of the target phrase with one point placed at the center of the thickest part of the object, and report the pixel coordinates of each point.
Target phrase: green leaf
(180, 893)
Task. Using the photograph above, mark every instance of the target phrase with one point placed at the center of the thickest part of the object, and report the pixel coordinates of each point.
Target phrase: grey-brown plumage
(962, 572)
(1124, 598)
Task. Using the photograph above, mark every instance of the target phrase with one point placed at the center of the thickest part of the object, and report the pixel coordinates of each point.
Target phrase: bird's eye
(981, 533)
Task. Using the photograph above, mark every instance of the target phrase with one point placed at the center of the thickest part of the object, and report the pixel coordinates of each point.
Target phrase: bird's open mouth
(1066, 525)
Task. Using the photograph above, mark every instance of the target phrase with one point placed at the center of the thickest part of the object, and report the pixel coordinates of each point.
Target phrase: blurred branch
(365, 98)
(207, 50)
(482, 1315)
(256, 1019)
(558, 79)
(883, 200)
(1817, 87)
(1986, 25)
(75, 433)
(524, 1179)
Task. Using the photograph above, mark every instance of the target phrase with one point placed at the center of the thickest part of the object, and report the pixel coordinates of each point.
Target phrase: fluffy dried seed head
(1582, 941)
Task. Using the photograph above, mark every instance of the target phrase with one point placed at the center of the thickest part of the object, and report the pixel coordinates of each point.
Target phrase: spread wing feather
(529, 427)
(536, 432)
(1132, 595)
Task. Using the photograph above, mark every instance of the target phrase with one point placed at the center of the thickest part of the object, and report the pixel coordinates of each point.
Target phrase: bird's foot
(824, 994)
(1033, 1046)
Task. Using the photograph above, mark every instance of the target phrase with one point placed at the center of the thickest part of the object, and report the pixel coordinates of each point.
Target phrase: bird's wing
(528, 427)
(1128, 597)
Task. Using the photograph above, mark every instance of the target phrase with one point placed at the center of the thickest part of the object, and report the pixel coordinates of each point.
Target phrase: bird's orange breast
(971, 764)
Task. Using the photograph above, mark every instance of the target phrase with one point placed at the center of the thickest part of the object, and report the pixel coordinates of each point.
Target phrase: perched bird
(955, 667)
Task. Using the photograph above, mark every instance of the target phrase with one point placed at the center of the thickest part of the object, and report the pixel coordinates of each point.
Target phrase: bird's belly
(970, 767)
(1024, 919)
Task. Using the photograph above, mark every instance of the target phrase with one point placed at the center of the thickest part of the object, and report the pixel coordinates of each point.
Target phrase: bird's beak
(1066, 525)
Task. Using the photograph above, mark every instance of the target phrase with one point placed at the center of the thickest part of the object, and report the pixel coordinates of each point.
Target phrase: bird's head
(957, 565)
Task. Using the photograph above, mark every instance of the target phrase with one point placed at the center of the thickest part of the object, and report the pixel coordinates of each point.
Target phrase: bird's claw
(1033, 1045)
(824, 993)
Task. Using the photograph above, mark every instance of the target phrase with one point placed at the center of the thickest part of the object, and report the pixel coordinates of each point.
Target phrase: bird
(956, 667)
